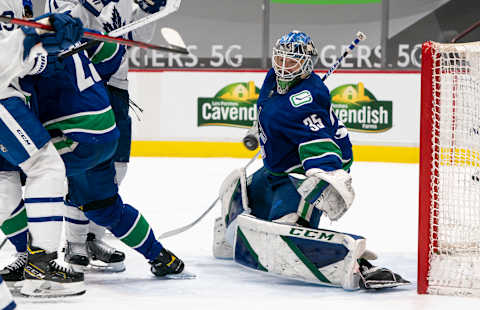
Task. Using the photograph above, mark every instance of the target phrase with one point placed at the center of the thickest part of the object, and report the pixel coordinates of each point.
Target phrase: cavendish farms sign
(359, 110)
(234, 105)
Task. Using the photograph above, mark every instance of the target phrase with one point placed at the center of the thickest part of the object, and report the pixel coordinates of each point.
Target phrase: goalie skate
(372, 277)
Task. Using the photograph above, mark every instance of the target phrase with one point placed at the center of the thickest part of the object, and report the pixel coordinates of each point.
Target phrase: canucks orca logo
(116, 21)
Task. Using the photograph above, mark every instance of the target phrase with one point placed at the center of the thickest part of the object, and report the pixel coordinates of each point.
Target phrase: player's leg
(97, 194)
(98, 249)
(13, 222)
(6, 300)
(83, 250)
(28, 146)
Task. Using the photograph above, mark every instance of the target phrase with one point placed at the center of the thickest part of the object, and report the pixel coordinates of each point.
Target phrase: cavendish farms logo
(234, 105)
(359, 110)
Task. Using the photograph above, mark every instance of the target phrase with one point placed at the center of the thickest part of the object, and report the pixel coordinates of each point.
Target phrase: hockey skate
(372, 277)
(12, 274)
(46, 278)
(103, 257)
(168, 266)
(76, 256)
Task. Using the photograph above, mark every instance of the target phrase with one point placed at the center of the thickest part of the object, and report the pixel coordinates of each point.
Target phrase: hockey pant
(95, 192)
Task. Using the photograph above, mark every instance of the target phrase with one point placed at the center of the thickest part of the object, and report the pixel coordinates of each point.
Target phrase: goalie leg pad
(312, 255)
(234, 199)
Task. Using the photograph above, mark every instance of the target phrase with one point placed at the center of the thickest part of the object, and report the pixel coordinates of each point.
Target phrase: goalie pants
(272, 196)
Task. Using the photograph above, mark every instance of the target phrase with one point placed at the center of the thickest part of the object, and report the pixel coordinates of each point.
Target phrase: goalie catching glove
(329, 191)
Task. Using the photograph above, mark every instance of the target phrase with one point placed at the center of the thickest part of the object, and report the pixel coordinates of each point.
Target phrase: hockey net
(449, 217)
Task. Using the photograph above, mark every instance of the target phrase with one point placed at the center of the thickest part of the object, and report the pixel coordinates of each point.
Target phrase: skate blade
(99, 266)
(381, 285)
(15, 287)
(184, 275)
(49, 289)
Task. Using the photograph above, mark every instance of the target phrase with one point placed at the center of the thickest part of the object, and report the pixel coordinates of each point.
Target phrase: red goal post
(449, 184)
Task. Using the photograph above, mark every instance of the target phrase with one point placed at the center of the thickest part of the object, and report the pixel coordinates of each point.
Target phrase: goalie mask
(294, 57)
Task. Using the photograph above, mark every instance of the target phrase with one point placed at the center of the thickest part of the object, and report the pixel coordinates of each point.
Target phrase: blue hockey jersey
(73, 101)
(299, 130)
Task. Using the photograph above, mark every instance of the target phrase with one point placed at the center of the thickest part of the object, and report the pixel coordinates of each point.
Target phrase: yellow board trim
(373, 153)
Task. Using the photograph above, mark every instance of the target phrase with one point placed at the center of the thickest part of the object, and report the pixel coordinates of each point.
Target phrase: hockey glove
(329, 191)
(151, 6)
(68, 30)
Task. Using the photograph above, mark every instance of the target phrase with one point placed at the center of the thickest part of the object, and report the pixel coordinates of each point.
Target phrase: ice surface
(172, 192)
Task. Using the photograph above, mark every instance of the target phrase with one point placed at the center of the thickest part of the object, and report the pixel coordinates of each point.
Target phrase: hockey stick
(3, 243)
(186, 227)
(171, 7)
(96, 36)
(250, 140)
(360, 37)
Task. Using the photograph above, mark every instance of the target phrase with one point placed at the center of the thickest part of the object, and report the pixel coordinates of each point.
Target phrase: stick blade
(361, 36)
(172, 37)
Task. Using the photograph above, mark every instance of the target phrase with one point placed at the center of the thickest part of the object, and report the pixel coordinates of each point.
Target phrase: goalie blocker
(296, 252)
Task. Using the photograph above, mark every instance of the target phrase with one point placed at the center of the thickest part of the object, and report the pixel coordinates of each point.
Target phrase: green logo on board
(234, 105)
(359, 110)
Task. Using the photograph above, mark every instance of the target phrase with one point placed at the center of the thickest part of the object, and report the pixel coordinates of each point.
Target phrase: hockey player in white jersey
(84, 242)
(25, 143)
(270, 221)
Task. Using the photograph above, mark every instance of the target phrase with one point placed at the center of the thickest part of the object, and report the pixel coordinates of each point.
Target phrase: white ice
(172, 192)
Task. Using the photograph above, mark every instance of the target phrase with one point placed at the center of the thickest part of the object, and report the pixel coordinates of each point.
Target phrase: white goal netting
(454, 254)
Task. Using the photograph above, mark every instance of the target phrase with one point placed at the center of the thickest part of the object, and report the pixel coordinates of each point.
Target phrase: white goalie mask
(294, 55)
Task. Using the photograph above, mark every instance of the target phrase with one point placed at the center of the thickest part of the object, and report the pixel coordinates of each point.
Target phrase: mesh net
(455, 179)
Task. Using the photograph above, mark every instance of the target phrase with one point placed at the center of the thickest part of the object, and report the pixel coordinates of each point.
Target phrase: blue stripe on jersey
(20, 205)
(45, 219)
(75, 221)
(43, 200)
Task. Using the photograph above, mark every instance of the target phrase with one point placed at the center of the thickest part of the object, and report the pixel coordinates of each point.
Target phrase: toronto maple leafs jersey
(115, 14)
(12, 64)
(73, 101)
(299, 130)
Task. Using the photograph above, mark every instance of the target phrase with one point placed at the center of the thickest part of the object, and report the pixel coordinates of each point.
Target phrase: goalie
(270, 221)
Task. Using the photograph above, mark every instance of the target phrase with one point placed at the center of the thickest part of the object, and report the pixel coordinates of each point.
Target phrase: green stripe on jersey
(137, 235)
(15, 224)
(347, 164)
(317, 148)
(63, 143)
(105, 51)
(95, 122)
